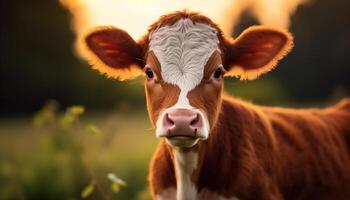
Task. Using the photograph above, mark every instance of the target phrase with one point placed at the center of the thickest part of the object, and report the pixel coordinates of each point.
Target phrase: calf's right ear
(113, 52)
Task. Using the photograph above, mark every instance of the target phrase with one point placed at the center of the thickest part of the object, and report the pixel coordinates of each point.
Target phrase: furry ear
(113, 52)
(256, 51)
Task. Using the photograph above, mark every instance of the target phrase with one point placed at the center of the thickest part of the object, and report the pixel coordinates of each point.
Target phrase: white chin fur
(182, 144)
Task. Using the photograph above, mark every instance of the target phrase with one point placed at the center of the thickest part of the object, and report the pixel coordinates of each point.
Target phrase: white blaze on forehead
(182, 50)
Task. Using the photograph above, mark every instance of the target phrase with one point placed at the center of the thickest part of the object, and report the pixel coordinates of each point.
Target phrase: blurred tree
(37, 62)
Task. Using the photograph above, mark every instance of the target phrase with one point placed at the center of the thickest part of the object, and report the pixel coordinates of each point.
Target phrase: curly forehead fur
(172, 18)
(183, 49)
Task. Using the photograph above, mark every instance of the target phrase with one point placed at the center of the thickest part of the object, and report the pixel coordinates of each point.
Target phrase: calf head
(184, 57)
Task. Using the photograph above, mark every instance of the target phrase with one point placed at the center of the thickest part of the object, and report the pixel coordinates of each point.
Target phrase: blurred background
(64, 128)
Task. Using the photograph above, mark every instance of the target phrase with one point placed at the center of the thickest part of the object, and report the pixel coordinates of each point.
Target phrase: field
(62, 155)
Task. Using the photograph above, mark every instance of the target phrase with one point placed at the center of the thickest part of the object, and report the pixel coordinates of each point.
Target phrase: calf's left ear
(112, 52)
(256, 51)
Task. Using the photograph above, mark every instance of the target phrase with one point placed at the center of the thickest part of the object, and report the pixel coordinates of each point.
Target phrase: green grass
(56, 155)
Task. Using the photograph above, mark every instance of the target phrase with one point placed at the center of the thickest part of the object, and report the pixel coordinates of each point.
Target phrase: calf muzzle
(181, 127)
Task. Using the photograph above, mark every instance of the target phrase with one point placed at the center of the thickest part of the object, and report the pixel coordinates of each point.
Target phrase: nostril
(168, 122)
(196, 121)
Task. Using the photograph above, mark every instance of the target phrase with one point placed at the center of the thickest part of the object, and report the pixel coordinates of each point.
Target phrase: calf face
(184, 58)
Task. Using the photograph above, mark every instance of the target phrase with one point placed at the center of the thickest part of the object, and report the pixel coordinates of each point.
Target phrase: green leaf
(76, 110)
(71, 115)
(92, 129)
(46, 115)
(88, 190)
(115, 187)
(67, 120)
(116, 182)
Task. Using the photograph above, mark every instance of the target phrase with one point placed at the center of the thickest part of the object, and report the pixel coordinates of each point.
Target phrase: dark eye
(149, 73)
(218, 73)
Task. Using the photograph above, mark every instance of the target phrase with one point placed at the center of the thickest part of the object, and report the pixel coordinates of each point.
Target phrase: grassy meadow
(68, 155)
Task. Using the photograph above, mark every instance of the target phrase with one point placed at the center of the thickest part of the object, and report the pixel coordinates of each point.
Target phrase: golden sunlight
(134, 16)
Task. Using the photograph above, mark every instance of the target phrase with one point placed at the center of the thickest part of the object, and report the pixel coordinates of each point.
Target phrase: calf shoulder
(313, 151)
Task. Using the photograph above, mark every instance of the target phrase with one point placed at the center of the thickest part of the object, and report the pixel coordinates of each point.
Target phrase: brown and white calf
(214, 146)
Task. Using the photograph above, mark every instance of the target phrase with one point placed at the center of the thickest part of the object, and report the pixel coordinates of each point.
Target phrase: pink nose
(182, 123)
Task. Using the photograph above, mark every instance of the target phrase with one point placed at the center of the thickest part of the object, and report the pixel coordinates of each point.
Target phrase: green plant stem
(94, 177)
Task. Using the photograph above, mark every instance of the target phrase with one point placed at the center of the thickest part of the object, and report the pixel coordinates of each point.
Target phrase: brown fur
(164, 178)
(274, 153)
(207, 95)
(256, 51)
(159, 94)
(115, 47)
(112, 52)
